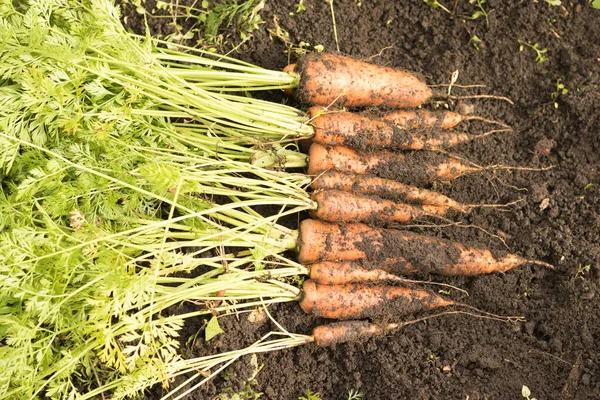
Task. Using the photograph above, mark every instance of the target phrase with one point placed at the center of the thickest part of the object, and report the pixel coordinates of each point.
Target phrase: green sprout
(481, 13)
(526, 393)
(475, 41)
(540, 53)
(436, 4)
(561, 90)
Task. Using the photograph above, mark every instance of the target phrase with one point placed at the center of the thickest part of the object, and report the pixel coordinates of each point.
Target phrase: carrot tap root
(347, 331)
(341, 206)
(357, 330)
(445, 96)
(324, 78)
(488, 121)
(385, 188)
(344, 272)
(362, 301)
(412, 168)
(398, 252)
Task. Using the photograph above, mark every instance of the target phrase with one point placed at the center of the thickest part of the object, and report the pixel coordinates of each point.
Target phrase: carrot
(414, 168)
(339, 206)
(363, 301)
(414, 119)
(398, 252)
(387, 189)
(353, 130)
(328, 78)
(346, 331)
(353, 330)
(342, 272)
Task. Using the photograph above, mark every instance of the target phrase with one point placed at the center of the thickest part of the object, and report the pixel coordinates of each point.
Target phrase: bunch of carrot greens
(127, 191)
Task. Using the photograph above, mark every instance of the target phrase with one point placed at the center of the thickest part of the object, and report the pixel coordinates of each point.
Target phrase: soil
(556, 352)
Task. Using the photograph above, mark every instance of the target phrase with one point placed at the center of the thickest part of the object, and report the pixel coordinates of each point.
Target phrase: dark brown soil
(556, 353)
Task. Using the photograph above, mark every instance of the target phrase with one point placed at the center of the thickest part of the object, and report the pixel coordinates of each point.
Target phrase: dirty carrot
(324, 79)
(414, 168)
(346, 331)
(399, 252)
(388, 189)
(363, 301)
(415, 119)
(340, 206)
(342, 272)
(342, 128)
(357, 330)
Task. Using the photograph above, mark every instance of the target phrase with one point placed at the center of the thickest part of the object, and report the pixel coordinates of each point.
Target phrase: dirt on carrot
(353, 301)
(327, 79)
(342, 206)
(416, 168)
(342, 128)
(386, 189)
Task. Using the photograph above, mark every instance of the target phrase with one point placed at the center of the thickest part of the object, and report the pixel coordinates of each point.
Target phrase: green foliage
(526, 393)
(241, 16)
(560, 90)
(481, 12)
(582, 270)
(596, 4)
(212, 329)
(300, 7)
(355, 395)
(540, 53)
(248, 392)
(310, 395)
(101, 194)
(436, 4)
(475, 41)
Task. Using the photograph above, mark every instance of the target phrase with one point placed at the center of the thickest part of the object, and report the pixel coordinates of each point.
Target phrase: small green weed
(596, 4)
(540, 53)
(475, 41)
(300, 6)
(248, 392)
(355, 395)
(561, 90)
(436, 4)
(309, 395)
(582, 271)
(293, 48)
(481, 12)
(526, 393)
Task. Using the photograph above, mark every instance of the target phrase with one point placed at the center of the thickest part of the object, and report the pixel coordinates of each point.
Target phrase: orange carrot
(353, 130)
(328, 78)
(398, 252)
(339, 206)
(353, 330)
(342, 272)
(346, 331)
(363, 301)
(387, 189)
(321, 241)
(415, 119)
(415, 168)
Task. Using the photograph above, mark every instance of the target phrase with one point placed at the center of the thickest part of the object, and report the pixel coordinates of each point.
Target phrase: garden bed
(555, 353)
